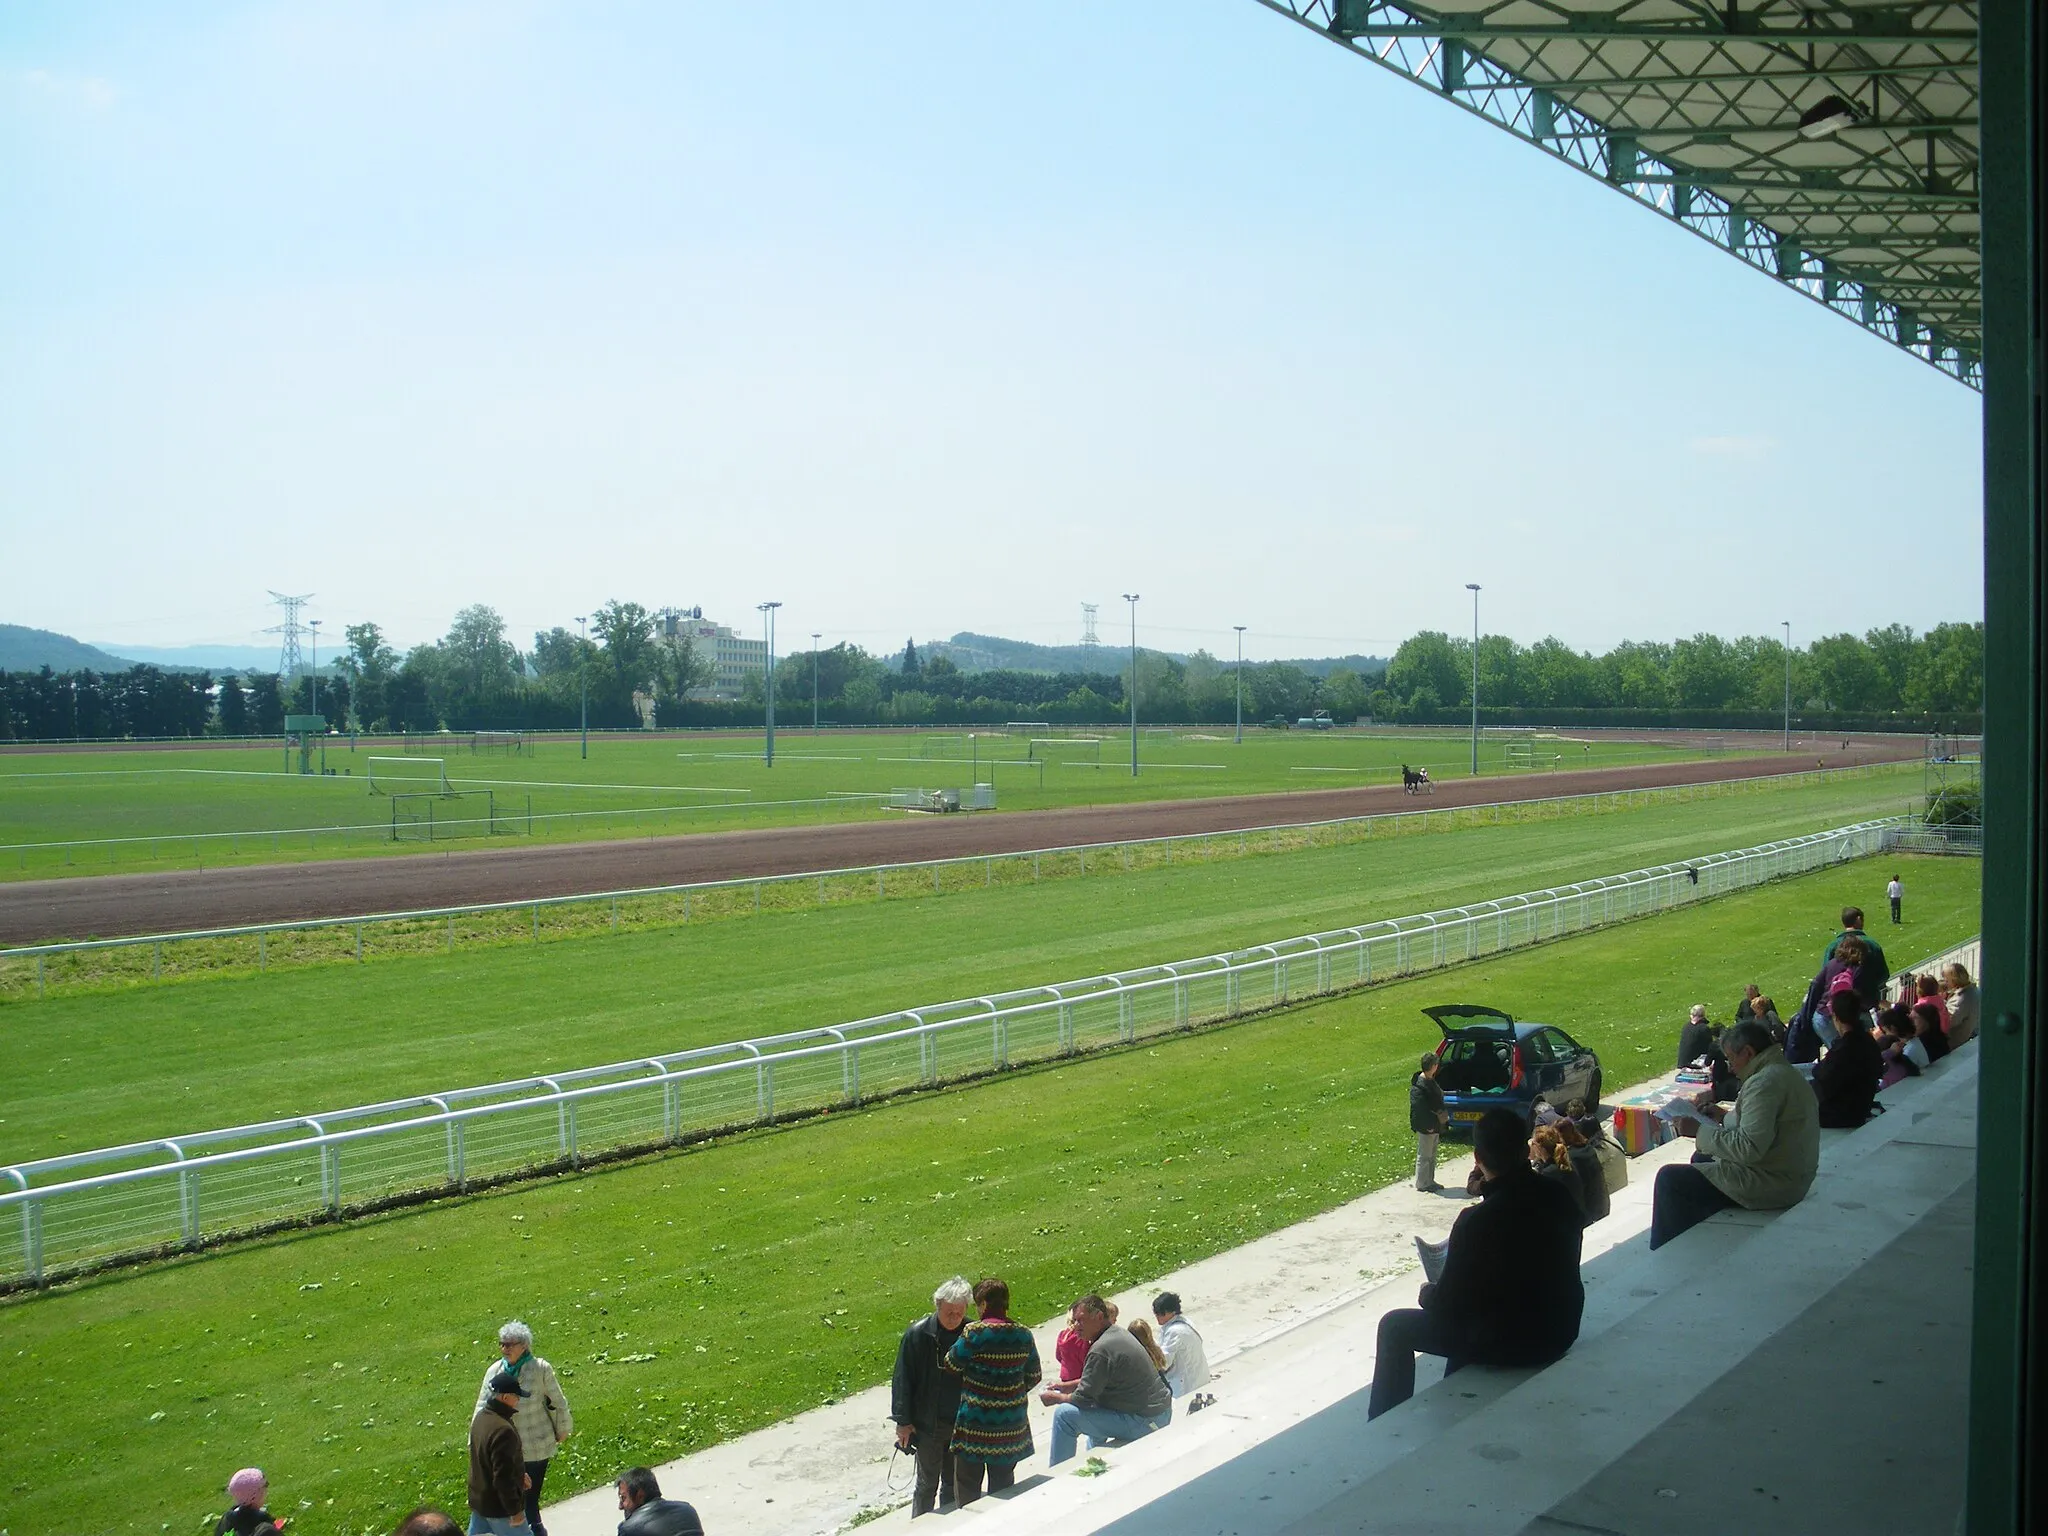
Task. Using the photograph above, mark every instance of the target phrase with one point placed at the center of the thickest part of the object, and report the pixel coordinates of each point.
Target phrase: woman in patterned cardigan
(999, 1360)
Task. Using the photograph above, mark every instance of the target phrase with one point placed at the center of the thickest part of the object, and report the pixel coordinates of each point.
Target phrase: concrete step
(1728, 1296)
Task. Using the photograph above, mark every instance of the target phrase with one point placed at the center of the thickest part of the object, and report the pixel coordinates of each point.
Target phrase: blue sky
(915, 318)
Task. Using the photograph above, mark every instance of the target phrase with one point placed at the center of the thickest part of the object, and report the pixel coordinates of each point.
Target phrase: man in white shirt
(1187, 1365)
(1895, 893)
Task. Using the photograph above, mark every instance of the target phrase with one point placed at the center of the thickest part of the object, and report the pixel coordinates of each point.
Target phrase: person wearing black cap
(497, 1465)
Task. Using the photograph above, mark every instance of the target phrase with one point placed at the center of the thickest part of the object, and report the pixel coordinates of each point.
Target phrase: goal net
(1531, 754)
(426, 817)
(1065, 749)
(409, 775)
(502, 743)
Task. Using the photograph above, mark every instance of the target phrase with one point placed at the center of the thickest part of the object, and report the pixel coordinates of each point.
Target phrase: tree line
(1889, 671)
(633, 672)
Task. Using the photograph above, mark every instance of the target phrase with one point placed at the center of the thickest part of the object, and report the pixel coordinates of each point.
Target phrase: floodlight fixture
(1830, 115)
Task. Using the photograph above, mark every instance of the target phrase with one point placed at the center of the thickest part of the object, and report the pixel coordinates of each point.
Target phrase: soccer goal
(428, 816)
(502, 743)
(409, 775)
(1064, 749)
(1531, 755)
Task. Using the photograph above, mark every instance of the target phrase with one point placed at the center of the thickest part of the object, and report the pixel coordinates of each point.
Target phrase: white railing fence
(64, 1214)
(31, 970)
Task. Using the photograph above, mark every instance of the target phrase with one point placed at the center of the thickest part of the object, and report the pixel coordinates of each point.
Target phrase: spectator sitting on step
(1761, 1155)
(1927, 1024)
(1904, 1055)
(1962, 1004)
(1845, 1081)
(648, 1513)
(1746, 1009)
(1696, 1040)
(1586, 1163)
(1187, 1362)
(427, 1521)
(1765, 1012)
(1121, 1394)
(1551, 1159)
(1927, 989)
(1509, 1292)
(1141, 1330)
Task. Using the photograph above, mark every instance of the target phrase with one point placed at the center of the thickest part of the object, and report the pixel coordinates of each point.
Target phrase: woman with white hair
(923, 1398)
(1697, 1038)
(542, 1418)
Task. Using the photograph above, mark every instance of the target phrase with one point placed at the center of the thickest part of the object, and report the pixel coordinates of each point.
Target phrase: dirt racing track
(106, 906)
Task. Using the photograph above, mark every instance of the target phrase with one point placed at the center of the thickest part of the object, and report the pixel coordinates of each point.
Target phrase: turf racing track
(106, 906)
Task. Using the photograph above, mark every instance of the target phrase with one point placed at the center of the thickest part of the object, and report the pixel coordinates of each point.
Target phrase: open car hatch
(1452, 1017)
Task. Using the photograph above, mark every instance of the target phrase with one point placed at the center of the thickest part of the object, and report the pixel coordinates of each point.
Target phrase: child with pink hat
(246, 1516)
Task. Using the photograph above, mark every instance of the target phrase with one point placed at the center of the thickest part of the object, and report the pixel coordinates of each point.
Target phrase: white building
(732, 656)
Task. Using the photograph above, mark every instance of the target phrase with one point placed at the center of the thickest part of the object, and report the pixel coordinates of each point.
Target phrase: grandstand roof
(1831, 144)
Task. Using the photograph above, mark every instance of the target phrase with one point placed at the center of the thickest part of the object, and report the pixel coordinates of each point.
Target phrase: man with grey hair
(923, 1399)
(542, 1416)
(1761, 1155)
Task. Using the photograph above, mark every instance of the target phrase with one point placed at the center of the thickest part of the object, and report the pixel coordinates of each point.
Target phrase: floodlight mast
(1788, 683)
(1473, 588)
(1240, 682)
(768, 622)
(1132, 599)
(816, 636)
(583, 673)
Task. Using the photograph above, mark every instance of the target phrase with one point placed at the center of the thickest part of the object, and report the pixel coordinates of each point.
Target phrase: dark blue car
(1490, 1061)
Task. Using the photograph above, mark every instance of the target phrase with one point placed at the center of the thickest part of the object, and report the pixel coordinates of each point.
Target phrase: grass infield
(93, 1068)
(694, 1296)
(94, 812)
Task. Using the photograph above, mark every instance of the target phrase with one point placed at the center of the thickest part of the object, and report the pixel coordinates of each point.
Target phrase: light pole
(1240, 682)
(768, 624)
(1132, 599)
(314, 625)
(1788, 683)
(1473, 588)
(816, 636)
(583, 673)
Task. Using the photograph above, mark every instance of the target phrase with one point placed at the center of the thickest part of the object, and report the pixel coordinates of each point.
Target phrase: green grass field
(694, 1296)
(91, 1068)
(94, 812)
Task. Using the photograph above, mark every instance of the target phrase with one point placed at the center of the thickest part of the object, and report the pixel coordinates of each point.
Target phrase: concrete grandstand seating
(1715, 1314)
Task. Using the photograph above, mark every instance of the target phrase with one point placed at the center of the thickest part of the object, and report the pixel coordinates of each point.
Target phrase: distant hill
(212, 658)
(1323, 666)
(984, 653)
(992, 653)
(27, 650)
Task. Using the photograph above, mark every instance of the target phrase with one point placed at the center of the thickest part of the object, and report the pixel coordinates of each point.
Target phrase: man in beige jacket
(1761, 1155)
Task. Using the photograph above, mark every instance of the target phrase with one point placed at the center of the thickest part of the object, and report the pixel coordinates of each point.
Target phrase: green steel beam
(1786, 224)
(2007, 1480)
(1601, 30)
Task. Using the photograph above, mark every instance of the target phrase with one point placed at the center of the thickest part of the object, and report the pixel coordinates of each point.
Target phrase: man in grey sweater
(1121, 1395)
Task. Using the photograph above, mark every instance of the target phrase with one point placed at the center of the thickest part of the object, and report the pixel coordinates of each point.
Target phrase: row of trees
(475, 678)
(1887, 671)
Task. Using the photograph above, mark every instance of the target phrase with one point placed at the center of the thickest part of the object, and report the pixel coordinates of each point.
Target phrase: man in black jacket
(648, 1513)
(1510, 1293)
(923, 1399)
(1426, 1118)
